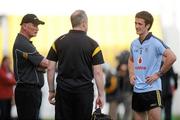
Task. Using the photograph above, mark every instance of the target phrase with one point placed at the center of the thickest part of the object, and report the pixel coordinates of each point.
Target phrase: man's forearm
(99, 79)
(100, 85)
(51, 80)
(130, 67)
(50, 75)
(169, 59)
(166, 66)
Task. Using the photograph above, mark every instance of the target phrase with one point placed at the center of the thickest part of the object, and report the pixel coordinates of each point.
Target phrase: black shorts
(142, 102)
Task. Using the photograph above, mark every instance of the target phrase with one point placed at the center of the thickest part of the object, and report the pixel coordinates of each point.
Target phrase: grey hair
(77, 17)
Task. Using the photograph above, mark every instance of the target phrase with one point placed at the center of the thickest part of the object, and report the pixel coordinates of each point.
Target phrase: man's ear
(24, 26)
(148, 26)
(83, 24)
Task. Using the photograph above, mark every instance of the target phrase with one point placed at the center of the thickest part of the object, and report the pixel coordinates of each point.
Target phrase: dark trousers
(28, 102)
(73, 106)
(167, 107)
(5, 109)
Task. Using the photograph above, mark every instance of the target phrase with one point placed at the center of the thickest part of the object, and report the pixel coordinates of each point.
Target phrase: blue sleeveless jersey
(147, 58)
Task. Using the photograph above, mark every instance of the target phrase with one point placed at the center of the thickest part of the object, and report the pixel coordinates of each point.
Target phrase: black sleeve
(98, 58)
(52, 54)
(35, 58)
(30, 53)
(97, 55)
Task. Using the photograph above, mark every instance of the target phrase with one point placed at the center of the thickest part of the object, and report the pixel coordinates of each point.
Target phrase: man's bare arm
(131, 66)
(131, 70)
(50, 77)
(99, 79)
(169, 59)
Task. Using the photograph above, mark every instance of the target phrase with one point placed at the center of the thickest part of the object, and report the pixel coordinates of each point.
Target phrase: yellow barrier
(113, 33)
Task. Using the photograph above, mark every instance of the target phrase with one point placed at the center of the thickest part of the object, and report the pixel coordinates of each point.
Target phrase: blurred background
(111, 24)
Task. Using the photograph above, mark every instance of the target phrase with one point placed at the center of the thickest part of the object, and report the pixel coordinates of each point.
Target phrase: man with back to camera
(29, 67)
(145, 69)
(79, 60)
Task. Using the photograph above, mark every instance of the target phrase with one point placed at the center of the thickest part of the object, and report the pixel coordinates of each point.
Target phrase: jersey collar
(25, 38)
(146, 38)
(77, 31)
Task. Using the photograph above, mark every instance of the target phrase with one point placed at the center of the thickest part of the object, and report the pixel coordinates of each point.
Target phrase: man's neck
(24, 34)
(79, 29)
(143, 36)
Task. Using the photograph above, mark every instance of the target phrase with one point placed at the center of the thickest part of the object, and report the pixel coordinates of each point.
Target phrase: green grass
(176, 118)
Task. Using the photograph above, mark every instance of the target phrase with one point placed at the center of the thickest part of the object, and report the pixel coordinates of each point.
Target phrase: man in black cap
(29, 66)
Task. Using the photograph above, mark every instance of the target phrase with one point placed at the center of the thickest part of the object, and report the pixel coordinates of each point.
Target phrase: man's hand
(100, 102)
(150, 79)
(51, 97)
(132, 79)
(44, 63)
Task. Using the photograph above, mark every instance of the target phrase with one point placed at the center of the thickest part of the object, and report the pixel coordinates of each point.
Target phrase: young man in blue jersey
(145, 69)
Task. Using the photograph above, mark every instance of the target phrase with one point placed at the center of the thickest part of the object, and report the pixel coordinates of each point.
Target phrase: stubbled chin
(34, 34)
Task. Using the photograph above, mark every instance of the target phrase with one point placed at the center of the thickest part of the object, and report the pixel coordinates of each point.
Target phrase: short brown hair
(146, 16)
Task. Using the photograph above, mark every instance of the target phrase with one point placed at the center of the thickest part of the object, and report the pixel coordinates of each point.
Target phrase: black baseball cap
(31, 18)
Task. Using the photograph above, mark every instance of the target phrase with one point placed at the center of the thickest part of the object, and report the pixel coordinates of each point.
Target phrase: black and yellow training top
(75, 53)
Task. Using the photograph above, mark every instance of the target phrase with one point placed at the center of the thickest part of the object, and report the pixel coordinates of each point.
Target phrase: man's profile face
(31, 29)
(140, 26)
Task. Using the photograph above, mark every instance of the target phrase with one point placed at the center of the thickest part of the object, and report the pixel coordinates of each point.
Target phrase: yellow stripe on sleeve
(96, 51)
(54, 48)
